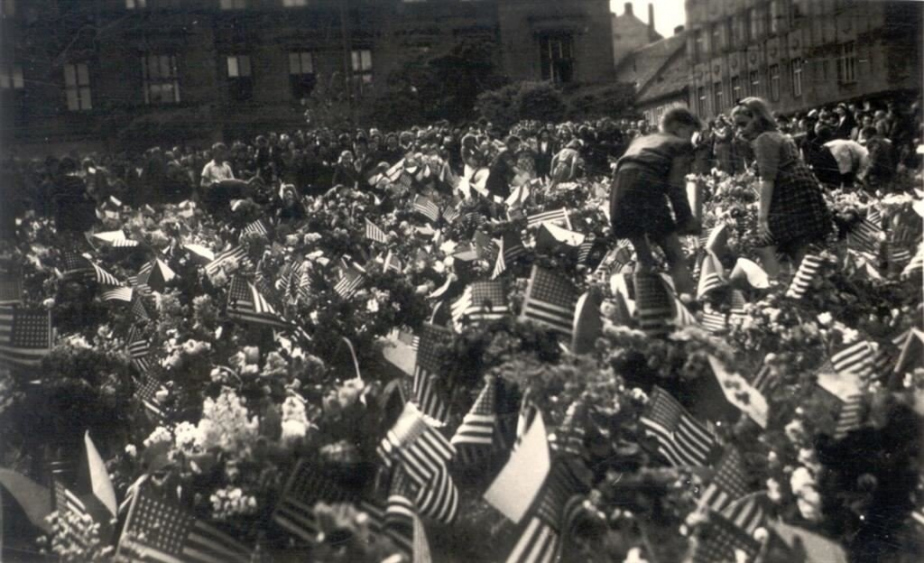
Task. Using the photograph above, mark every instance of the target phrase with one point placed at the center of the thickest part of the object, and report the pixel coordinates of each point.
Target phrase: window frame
(797, 70)
(774, 77)
(754, 82)
(718, 97)
(553, 68)
(81, 87)
(701, 100)
(363, 75)
(239, 76)
(150, 81)
(10, 72)
(847, 63)
(301, 82)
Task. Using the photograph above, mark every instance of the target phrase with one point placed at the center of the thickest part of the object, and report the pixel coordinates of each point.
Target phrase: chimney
(628, 8)
(651, 16)
(678, 30)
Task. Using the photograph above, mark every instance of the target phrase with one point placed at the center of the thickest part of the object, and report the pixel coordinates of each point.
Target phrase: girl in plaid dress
(793, 214)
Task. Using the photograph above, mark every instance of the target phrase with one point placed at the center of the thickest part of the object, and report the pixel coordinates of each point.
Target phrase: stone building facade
(800, 54)
(77, 71)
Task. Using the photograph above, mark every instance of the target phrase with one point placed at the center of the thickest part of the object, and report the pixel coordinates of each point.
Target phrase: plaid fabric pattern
(798, 212)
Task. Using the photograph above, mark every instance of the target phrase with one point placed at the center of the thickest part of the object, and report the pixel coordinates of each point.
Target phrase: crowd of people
(257, 316)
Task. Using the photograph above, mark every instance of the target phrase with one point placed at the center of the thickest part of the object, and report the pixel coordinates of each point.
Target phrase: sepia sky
(668, 13)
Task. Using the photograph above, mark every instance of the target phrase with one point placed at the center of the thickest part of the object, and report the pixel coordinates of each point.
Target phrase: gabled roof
(643, 65)
(672, 79)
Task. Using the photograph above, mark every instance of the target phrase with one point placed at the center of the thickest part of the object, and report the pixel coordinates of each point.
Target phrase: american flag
(916, 264)
(353, 277)
(118, 294)
(729, 483)
(245, 304)
(138, 309)
(429, 392)
(423, 453)
(738, 304)
(764, 380)
(568, 439)
(10, 285)
(585, 251)
(140, 280)
(139, 350)
(156, 530)
(808, 271)
(258, 227)
(864, 238)
(550, 301)
(427, 208)
(483, 301)
(400, 511)
(855, 359)
(720, 539)
(614, 261)
(393, 263)
(373, 232)
(709, 278)
(73, 515)
(653, 304)
(510, 250)
(76, 266)
(236, 253)
(103, 277)
(557, 217)
(747, 513)
(474, 439)
(26, 335)
(451, 213)
(541, 538)
(849, 416)
(874, 216)
(306, 486)
(485, 247)
(682, 440)
(146, 394)
(899, 255)
(682, 317)
(714, 321)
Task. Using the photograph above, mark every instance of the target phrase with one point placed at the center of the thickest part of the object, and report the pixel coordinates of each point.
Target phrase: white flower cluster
(226, 424)
(230, 502)
(294, 419)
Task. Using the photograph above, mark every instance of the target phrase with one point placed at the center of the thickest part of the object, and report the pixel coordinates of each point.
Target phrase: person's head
(288, 195)
(823, 132)
(346, 157)
(512, 143)
(469, 141)
(867, 134)
(679, 121)
(866, 120)
(752, 117)
(544, 134)
(391, 141)
(360, 146)
(219, 152)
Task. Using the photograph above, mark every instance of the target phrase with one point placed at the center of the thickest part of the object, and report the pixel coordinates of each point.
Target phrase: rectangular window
(136, 4)
(294, 3)
(776, 16)
(754, 79)
(753, 24)
(77, 87)
(11, 77)
(556, 56)
(717, 98)
(796, 78)
(701, 100)
(161, 81)
(716, 45)
(729, 33)
(775, 83)
(362, 68)
(700, 44)
(847, 63)
(234, 4)
(301, 74)
(735, 89)
(240, 77)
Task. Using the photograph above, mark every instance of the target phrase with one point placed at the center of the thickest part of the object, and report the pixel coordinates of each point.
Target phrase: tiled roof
(646, 64)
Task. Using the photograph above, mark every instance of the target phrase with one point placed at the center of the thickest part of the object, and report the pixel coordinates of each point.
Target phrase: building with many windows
(801, 53)
(72, 71)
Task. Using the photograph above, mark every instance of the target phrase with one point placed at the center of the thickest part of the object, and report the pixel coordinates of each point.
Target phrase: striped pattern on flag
(864, 238)
(510, 250)
(714, 321)
(747, 513)
(874, 216)
(682, 440)
(118, 294)
(855, 359)
(557, 217)
(245, 304)
(615, 260)
(585, 251)
(485, 247)
(235, 254)
(683, 317)
(146, 394)
(162, 532)
(899, 255)
(26, 335)
(483, 301)
(258, 227)
(374, 233)
(550, 301)
(916, 264)
(103, 277)
(139, 350)
(427, 208)
(653, 304)
(392, 263)
(764, 380)
(138, 309)
(719, 541)
(849, 416)
(729, 483)
(10, 285)
(400, 511)
(72, 514)
(76, 266)
(474, 439)
(808, 271)
(350, 282)
(450, 214)
(709, 279)
(306, 486)
(428, 392)
(568, 439)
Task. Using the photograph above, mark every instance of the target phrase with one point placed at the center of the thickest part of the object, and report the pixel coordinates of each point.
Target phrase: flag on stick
(682, 440)
(550, 301)
(429, 392)
(306, 486)
(235, 254)
(157, 530)
(519, 482)
(808, 271)
(427, 208)
(474, 439)
(245, 304)
(653, 304)
(373, 232)
(729, 483)
(26, 335)
(558, 217)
